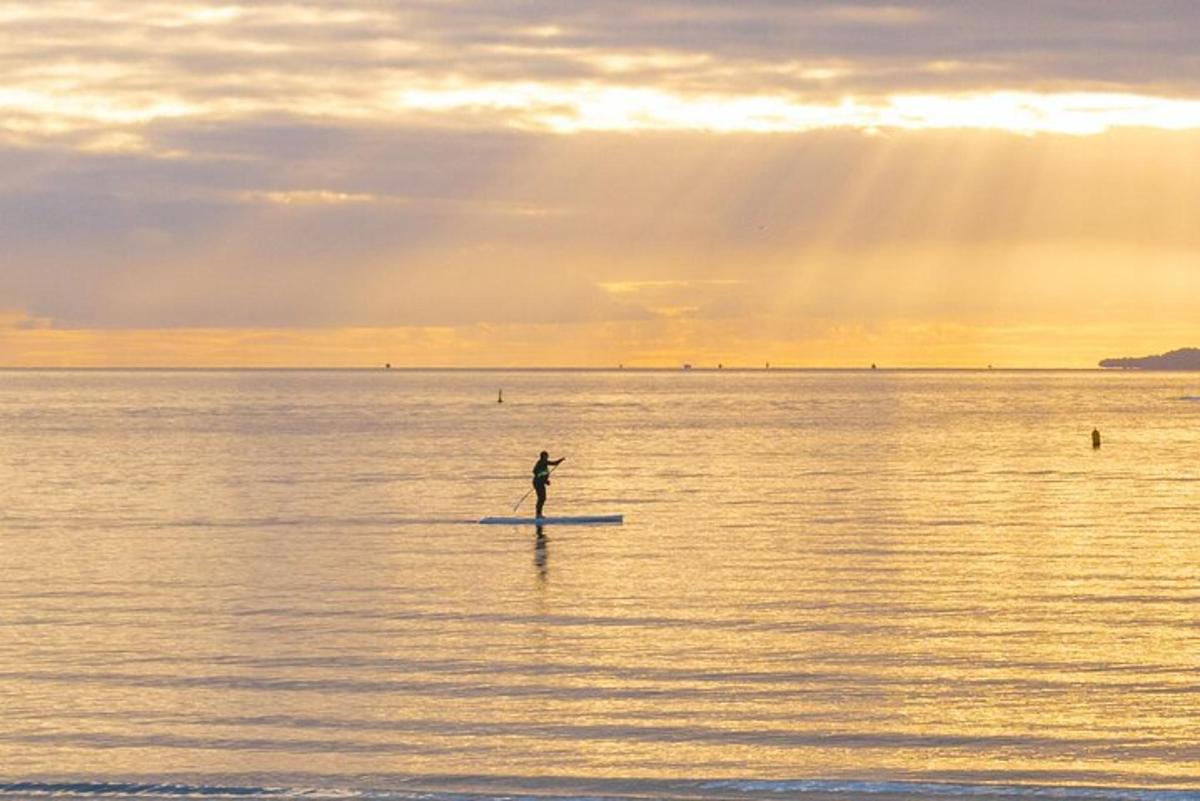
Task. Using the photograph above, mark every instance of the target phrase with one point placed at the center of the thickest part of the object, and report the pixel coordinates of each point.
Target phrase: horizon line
(569, 369)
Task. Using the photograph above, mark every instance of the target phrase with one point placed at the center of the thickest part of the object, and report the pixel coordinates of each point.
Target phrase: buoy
(500, 397)
(388, 366)
(1095, 438)
(873, 367)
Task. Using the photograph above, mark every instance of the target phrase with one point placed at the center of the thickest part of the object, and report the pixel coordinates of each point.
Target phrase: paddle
(526, 495)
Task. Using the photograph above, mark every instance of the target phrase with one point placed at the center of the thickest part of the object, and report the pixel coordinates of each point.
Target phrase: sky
(532, 183)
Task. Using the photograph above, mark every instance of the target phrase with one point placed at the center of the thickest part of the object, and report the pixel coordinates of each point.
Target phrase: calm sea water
(829, 585)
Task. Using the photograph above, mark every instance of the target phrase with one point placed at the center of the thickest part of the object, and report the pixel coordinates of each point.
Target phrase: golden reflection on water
(926, 576)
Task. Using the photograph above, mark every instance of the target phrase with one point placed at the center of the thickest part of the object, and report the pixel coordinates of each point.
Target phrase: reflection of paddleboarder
(539, 553)
(541, 478)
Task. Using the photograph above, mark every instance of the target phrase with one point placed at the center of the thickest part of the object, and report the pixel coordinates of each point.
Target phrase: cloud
(661, 167)
(17, 320)
(286, 226)
(95, 74)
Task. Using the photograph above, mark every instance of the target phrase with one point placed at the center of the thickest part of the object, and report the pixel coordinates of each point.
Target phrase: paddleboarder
(541, 478)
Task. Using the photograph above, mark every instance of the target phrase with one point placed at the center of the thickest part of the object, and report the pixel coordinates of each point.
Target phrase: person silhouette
(541, 478)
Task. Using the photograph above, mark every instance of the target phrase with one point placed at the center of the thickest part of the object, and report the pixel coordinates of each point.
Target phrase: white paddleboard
(581, 520)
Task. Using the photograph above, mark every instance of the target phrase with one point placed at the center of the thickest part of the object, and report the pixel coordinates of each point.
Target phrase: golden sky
(459, 183)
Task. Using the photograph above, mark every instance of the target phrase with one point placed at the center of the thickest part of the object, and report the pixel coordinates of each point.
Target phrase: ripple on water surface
(827, 585)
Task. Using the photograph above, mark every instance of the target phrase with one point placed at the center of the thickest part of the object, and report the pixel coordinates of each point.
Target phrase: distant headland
(1182, 359)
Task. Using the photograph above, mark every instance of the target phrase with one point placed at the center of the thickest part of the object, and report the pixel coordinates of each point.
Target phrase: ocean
(828, 585)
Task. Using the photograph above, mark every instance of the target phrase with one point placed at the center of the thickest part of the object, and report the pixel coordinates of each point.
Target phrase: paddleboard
(581, 520)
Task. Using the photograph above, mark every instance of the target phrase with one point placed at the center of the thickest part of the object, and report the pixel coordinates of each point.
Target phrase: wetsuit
(541, 478)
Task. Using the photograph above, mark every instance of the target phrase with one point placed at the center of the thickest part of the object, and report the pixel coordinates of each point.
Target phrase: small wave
(548, 789)
(137, 790)
(918, 790)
